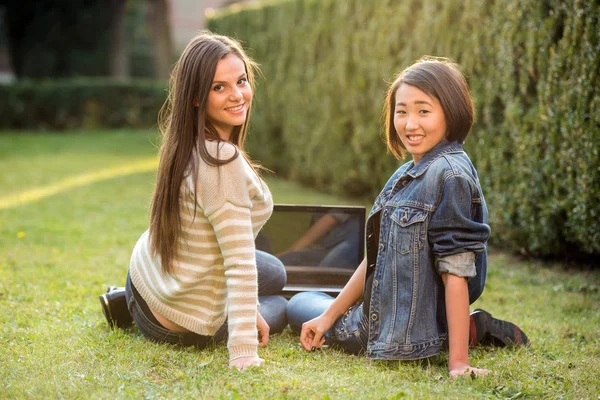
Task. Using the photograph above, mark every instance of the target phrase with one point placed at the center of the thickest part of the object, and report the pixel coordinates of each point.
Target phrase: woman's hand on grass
(263, 330)
(312, 333)
(245, 362)
(467, 370)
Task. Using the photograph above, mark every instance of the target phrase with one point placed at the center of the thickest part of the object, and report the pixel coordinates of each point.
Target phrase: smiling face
(229, 97)
(419, 120)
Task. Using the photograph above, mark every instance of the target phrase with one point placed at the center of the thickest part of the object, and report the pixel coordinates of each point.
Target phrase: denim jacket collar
(442, 148)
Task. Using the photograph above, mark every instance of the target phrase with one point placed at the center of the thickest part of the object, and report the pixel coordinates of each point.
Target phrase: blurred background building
(189, 16)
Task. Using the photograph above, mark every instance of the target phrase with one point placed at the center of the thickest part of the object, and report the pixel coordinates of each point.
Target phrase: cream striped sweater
(215, 266)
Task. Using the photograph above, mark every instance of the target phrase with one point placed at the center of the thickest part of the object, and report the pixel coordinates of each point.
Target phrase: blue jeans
(349, 332)
(271, 280)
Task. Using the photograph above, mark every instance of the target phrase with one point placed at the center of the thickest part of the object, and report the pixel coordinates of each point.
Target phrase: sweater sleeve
(233, 230)
(224, 195)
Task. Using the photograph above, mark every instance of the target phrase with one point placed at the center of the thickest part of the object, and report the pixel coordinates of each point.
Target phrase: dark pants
(271, 279)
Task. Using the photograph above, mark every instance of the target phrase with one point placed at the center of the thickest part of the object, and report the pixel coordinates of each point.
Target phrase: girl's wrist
(331, 315)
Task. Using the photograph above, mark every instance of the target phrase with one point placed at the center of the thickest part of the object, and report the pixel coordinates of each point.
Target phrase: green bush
(80, 103)
(533, 66)
(71, 38)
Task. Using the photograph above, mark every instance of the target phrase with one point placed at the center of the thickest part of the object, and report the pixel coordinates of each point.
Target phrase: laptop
(320, 246)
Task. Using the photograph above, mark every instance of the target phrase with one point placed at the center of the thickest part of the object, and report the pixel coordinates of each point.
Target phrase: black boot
(114, 308)
(485, 329)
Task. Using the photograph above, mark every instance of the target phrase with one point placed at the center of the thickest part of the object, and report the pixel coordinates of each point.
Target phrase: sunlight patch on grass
(29, 196)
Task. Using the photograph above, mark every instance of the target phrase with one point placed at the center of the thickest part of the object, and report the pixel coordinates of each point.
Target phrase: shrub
(533, 67)
(80, 103)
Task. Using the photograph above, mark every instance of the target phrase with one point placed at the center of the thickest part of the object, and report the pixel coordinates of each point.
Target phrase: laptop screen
(320, 246)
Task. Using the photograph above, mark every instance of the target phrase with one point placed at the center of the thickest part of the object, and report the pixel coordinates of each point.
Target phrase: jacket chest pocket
(408, 229)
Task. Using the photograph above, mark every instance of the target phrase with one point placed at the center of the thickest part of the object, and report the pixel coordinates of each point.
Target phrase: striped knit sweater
(215, 274)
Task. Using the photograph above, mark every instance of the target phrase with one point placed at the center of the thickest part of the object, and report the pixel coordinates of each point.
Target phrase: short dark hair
(440, 78)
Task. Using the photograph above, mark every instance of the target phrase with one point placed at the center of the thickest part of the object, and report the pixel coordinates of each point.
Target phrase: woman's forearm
(350, 294)
(457, 315)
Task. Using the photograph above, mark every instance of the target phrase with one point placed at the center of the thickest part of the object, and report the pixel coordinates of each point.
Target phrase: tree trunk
(118, 57)
(160, 32)
(15, 24)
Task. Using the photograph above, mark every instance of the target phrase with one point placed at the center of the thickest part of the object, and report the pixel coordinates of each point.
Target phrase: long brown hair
(441, 78)
(184, 127)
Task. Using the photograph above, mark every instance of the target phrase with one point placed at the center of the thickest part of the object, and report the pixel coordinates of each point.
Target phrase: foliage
(46, 38)
(58, 253)
(534, 69)
(139, 40)
(80, 103)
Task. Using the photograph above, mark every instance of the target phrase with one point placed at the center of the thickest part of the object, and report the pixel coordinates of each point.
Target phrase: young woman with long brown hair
(195, 275)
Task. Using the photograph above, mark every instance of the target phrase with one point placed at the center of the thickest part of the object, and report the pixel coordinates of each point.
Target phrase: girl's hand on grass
(263, 330)
(245, 362)
(466, 370)
(312, 333)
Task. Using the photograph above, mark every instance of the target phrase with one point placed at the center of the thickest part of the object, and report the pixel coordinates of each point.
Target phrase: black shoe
(114, 308)
(111, 288)
(486, 329)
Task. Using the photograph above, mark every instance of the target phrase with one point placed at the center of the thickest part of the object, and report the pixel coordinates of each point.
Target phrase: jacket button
(404, 183)
(381, 246)
(375, 283)
(374, 317)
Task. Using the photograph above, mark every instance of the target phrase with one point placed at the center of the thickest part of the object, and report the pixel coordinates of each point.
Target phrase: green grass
(58, 252)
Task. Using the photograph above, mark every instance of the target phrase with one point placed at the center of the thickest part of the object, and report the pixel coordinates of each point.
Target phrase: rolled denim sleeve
(453, 228)
(462, 264)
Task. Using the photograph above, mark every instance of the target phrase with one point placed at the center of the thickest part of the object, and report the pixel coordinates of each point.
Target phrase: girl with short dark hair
(426, 239)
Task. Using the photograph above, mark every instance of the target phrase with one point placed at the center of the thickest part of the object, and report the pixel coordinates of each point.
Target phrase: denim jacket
(426, 211)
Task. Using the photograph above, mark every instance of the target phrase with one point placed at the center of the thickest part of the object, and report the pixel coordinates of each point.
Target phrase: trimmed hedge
(80, 103)
(534, 68)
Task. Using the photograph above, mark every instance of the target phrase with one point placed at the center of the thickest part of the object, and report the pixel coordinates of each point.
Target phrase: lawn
(73, 205)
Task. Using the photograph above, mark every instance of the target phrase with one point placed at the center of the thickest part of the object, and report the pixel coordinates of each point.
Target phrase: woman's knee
(294, 310)
(273, 310)
(272, 276)
(305, 306)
